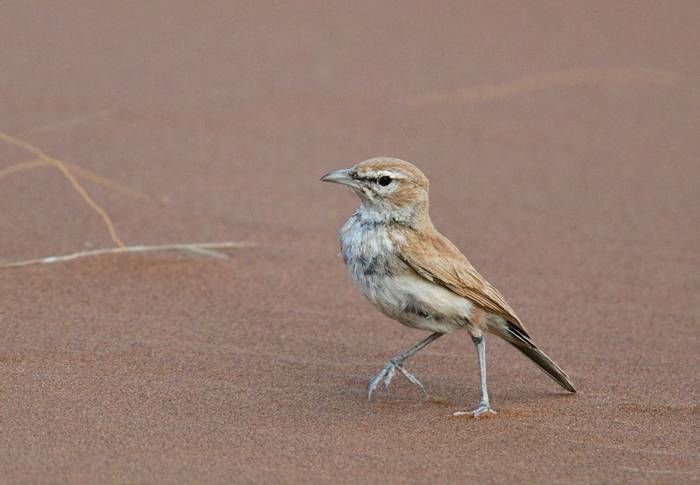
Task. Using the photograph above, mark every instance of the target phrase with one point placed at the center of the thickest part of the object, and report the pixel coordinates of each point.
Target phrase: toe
(413, 379)
(481, 411)
(389, 376)
(372, 386)
(484, 412)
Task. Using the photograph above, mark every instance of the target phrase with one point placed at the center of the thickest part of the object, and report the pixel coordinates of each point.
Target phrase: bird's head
(390, 187)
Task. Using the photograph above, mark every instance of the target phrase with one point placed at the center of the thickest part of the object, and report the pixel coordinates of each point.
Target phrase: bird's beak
(341, 176)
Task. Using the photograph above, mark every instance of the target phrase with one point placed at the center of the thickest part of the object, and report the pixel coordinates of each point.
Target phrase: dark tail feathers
(521, 340)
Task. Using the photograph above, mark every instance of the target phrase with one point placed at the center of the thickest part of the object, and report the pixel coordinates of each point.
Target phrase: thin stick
(205, 249)
(100, 180)
(81, 172)
(27, 165)
(76, 185)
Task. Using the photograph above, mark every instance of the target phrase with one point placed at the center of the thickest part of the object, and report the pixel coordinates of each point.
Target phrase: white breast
(392, 286)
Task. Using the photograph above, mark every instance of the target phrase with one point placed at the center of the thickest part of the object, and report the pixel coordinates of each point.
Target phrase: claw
(413, 379)
(478, 412)
(375, 382)
(387, 374)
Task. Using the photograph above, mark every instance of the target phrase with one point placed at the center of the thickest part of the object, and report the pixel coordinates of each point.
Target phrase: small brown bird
(416, 276)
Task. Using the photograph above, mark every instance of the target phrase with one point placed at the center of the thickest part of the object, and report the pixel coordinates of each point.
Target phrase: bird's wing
(436, 259)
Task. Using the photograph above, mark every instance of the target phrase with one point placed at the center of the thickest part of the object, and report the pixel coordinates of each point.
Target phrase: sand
(561, 140)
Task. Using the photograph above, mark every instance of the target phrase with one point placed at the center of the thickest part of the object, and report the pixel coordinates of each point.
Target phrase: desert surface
(561, 140)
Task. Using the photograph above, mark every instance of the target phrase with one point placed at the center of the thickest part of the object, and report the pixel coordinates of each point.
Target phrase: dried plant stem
(206, 249)
(21, 166)
(69, 176)
(77, 170)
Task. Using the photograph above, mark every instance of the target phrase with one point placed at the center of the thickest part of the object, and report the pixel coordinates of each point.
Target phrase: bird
(416, 276)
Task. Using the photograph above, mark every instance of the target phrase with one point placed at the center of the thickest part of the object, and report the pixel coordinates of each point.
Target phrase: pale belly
(417, 303)
(395, 288)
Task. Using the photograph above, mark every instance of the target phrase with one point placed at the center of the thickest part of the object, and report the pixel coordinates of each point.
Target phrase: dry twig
(66, 168)
(77, 170)
(206, 249)
(69, 176)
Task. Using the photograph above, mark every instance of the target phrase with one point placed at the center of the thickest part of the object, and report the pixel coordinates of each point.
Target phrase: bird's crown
(387, 186)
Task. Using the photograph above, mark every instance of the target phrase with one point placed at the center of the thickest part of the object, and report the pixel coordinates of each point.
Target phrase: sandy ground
(562, 145)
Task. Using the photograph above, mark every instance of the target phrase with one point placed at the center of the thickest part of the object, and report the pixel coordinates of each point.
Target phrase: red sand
(582, 181)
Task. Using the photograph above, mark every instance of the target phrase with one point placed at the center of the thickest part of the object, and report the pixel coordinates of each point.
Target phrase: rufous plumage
(415, 275)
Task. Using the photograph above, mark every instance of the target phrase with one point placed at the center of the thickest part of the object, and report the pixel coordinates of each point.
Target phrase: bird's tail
(519, 338)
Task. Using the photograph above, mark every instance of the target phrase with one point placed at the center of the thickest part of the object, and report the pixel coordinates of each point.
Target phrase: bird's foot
(482, 410)
(387, 374)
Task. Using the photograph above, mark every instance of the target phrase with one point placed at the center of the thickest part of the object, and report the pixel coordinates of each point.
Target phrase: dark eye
(384, 181)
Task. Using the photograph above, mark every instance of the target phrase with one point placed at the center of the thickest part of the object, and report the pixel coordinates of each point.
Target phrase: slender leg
(484, 405)
(387, 373)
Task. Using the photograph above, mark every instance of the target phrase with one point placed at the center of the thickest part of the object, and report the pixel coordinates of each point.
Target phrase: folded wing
(436, 259)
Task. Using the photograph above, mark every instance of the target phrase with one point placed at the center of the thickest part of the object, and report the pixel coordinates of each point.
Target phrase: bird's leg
(484, 405)
(387, 373)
